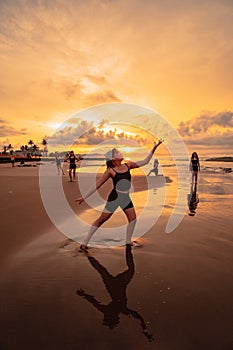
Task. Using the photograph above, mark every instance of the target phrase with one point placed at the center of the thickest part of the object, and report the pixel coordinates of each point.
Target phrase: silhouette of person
(194, 166)
(119, 196)
(58, 164)
(155, 169)
(72, 158)
(193, 200)
(12, 160)
(116, 287)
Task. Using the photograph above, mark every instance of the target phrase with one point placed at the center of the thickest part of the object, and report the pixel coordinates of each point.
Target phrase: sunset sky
(173, 56)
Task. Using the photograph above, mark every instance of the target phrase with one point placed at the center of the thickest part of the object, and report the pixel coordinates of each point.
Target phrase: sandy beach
(172, 293)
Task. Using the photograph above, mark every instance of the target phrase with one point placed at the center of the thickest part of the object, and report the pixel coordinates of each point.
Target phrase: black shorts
(195, 168)
(118, 199)
(72, 166)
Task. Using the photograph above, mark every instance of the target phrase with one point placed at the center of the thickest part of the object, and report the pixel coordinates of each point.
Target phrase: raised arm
(106, 175)
(143, 325)
(91, 299)
(133, 165)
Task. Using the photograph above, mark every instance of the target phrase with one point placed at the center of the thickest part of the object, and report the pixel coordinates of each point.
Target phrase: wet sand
(174, 292)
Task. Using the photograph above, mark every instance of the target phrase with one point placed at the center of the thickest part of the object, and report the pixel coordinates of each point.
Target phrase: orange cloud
(7, 130)
(82, 132)
(209, 129)
(57, 58)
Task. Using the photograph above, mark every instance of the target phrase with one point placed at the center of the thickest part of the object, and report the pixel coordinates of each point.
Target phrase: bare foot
(83, 248)
(134, 244)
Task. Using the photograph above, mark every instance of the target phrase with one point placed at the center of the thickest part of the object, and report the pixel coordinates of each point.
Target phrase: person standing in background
(72, 169)
(13, 160)
(155, 169)
(58, 164)
(194, 167)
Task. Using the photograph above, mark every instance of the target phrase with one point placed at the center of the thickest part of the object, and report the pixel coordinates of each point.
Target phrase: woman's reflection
(193, 200)
(116, 287)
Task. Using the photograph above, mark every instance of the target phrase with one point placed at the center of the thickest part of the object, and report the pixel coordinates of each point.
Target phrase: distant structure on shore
(30, 150)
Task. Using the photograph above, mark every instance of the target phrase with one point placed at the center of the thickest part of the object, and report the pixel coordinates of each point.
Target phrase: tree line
(31, 146)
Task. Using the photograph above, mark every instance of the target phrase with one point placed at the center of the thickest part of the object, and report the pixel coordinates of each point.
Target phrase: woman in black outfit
(194, 166)
(72, 159)
(119, 196)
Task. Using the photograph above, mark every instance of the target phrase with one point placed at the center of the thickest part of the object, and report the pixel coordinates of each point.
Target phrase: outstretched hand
(80, 200)
(148, 335)
(80, 292)
(160, 141)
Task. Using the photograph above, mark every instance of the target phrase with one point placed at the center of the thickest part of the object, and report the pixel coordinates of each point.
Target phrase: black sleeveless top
(194, 162)
(72, 159)
(122, 181)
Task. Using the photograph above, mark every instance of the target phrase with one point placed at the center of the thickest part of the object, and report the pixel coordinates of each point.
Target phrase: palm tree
(45, 150)
(9, 146)
(44, 142)
(23, 149)
(30, 142)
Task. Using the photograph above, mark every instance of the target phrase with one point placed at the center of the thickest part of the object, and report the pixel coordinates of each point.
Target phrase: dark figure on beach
(193, 200)
(119, 196)
(116, 287)
(155, 169)
(194, 166)
(58, 164)
(72, 168)
(13, 161)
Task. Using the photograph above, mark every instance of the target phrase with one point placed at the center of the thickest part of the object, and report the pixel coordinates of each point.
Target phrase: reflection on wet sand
(193, 200)
(116, 287)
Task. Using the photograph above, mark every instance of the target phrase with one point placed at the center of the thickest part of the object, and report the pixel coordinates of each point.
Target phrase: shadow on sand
(116, 287)
(193, 200)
